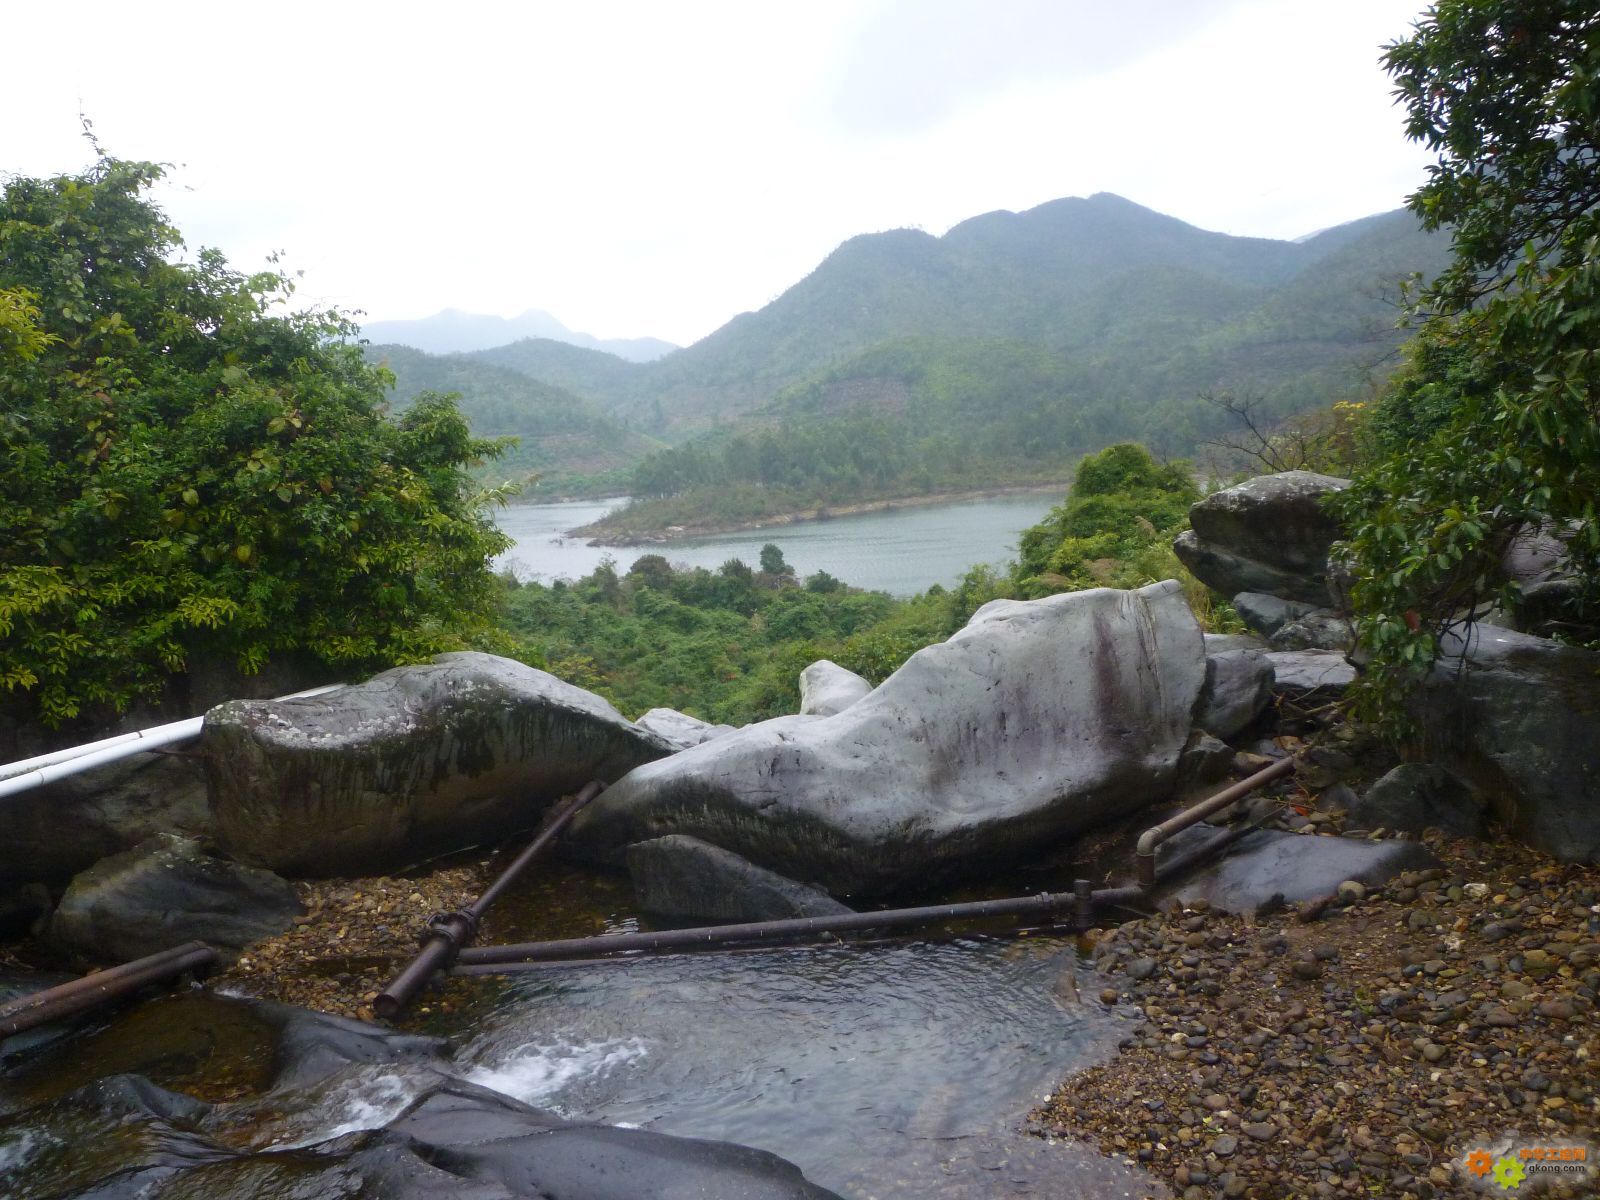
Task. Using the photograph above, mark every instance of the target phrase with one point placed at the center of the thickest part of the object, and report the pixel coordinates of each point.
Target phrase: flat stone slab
(470, 749)
(1037, 721)
(1297, 867)
(1300, 674)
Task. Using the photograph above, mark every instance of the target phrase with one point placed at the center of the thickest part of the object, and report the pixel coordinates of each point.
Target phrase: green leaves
(184, 475)
(1490, 430)
(1120, 504)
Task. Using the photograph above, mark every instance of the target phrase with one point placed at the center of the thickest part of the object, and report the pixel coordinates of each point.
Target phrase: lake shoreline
(599, 537)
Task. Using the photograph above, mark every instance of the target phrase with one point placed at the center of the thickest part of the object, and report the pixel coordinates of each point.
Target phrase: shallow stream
(887, 1070)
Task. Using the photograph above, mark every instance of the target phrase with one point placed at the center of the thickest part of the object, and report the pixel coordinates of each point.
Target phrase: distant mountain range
(566, 440)
(453, 331)
(1000, 351)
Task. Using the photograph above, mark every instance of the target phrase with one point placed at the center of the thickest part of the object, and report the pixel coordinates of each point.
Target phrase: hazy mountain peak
(453, 331)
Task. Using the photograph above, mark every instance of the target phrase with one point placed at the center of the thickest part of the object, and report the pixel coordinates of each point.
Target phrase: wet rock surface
(409, 1130)
(1272, 865)
(1518, 717)
(162, 893)
(1038, 720)
(1238, 688)
(17, 981)
(1418, 796)
(1356, 1048)
(414, 763)
(684, 878)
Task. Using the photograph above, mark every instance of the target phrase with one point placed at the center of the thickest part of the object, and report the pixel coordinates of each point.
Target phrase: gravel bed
(1359, 1046)
(356, 933)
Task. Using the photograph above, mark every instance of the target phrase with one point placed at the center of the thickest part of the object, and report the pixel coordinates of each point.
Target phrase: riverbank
(1362, 1048)
(600, 534)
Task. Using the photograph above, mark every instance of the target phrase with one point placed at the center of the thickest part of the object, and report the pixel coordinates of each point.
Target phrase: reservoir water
(901, 551)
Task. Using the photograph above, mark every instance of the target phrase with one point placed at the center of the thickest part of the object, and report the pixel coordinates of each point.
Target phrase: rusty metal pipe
(91, 991)
(718, 935)
(610, 948)
(450, 932)
(1144, 854)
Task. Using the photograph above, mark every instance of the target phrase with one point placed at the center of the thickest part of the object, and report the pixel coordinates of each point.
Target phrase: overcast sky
(656, 168)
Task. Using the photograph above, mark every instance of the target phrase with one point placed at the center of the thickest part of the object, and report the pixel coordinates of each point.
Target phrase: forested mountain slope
(1088, 280)
(997, 353)
(567, 441)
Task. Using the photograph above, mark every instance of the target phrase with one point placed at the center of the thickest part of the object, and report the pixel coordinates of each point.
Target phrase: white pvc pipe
(24, 765)
(30, 773)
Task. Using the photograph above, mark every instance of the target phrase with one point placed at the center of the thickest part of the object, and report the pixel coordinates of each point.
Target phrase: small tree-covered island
(1240, 837)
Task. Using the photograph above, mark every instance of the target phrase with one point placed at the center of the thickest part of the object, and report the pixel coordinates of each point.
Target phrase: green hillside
(998, 353)
(573, 447)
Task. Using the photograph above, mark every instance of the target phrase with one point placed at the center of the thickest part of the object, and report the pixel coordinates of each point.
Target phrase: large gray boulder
(1038, 720)
(414, 763)
(1518, 717)
(165, 892)
(826, 689)
(684, 878)
(1269, 534)
(680, 730)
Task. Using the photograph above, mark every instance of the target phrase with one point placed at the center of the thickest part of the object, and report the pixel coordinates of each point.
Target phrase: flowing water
(886, 1071)
(880, 1071)
(901, 551)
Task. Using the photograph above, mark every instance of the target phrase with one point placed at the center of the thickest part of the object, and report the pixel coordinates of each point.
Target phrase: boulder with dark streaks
(1037, 721)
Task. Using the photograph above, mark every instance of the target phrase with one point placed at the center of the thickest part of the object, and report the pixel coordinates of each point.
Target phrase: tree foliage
(188, 468)
(1122, 503)
(1493, 426)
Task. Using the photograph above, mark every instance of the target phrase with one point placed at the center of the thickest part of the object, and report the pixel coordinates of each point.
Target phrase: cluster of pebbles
(353, 937)
(1359, 1045)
